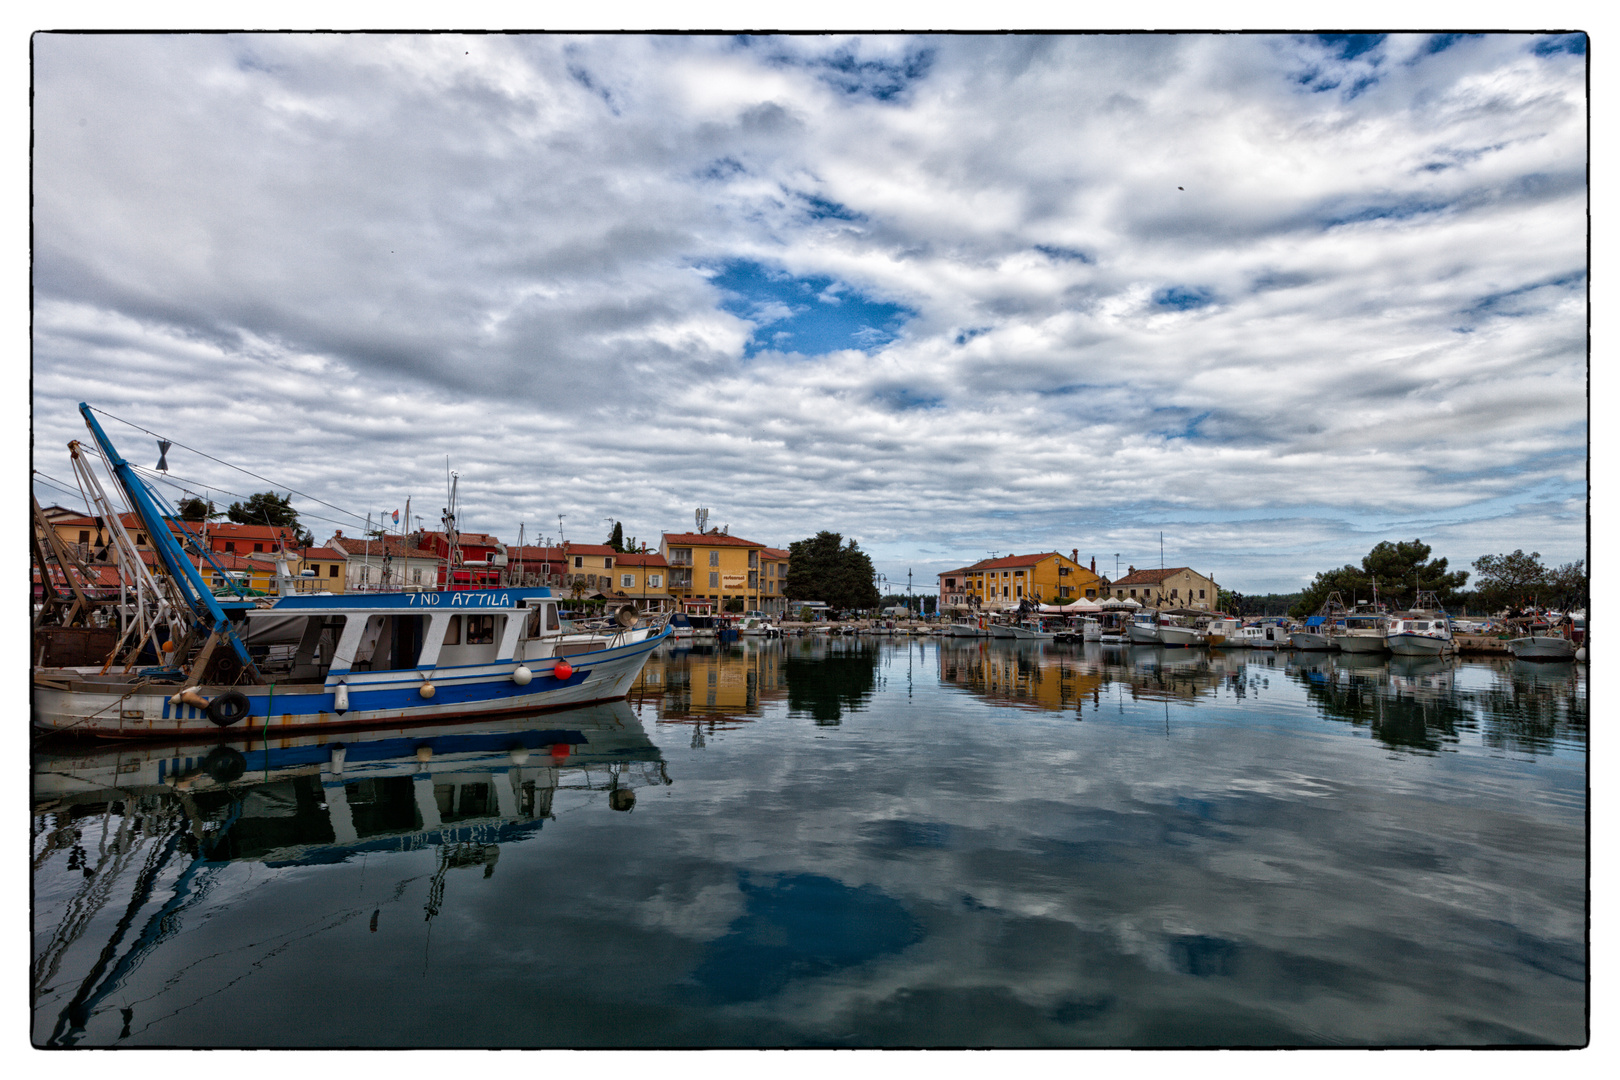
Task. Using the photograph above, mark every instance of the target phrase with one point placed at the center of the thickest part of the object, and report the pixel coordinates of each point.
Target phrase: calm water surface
(850, 842)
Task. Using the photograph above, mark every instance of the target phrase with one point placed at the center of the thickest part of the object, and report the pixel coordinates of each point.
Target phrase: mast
(204, 607)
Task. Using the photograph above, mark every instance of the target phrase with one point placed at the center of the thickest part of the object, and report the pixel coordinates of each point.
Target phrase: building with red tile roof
(1173, 587)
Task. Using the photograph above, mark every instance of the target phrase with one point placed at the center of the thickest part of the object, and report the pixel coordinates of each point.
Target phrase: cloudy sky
(1276, 297)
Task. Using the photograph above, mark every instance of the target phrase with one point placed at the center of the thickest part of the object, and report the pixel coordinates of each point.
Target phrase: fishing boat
(1144, 629)
(1225, 633)
(1032, 630)
(1320, 630)
(1183, 629)
(1423, 631)
(1539, 639)
(1263, 635)
(1363, 633)
(311, 662)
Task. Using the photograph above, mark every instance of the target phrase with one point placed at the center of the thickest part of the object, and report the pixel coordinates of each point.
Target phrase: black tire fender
(228, 708)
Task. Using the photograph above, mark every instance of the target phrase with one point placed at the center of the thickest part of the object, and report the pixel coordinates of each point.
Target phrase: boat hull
(1542, 648)
(1181, 637)
(1307, 641)
(1362, 643)
(1417, 645)
(1140, 634)
(122, 710)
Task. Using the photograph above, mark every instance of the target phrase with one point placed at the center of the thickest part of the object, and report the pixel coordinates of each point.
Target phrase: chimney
(1094, 564)
(1074, 556)
(340, 534)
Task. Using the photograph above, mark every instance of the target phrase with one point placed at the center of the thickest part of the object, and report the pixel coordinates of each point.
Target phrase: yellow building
(1044, 578)
(773, 568)
(641, 579)
(707, 570)
(1177, 587)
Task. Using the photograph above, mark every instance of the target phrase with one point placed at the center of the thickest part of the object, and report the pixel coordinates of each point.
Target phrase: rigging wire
(227, 464)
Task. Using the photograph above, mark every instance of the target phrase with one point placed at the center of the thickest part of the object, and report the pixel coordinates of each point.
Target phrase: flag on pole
(396, 517)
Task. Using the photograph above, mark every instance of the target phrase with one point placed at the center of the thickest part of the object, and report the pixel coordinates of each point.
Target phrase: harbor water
(849, 842)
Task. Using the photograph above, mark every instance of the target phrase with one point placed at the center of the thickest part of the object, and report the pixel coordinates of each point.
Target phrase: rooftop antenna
(560, 538)
(702, 519)
(1116, 566)
(1161, 551)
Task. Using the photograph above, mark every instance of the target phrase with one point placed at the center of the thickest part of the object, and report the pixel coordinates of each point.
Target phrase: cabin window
(535, 626)
(480, 629)
(452, 633)
(655, 580)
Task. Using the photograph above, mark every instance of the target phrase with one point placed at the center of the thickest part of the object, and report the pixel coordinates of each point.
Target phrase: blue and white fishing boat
(337, 662)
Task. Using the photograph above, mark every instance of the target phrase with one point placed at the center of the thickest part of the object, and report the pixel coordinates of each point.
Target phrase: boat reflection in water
(176, 815)
(1426, 702)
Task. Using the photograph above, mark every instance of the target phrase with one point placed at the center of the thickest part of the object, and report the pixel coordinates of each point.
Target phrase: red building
(483, 559)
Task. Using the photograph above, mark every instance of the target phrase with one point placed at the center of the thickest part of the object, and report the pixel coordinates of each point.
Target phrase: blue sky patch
(1350, 46)
(822, 209)
(906, 398)
(1439, 43)
(1063, 254)
(808, 315)
(1561, 43)
(1183, 297)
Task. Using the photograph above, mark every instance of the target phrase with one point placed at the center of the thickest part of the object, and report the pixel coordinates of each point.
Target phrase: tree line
(1394, 572)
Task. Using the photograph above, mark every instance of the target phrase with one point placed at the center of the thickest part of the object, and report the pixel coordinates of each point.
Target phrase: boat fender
(189, 696)
(427, 688)
(340, 698)
(563, 669)
(228, 708)
(521, 675)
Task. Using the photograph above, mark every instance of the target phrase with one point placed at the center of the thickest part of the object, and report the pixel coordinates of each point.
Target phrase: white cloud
(337, 260)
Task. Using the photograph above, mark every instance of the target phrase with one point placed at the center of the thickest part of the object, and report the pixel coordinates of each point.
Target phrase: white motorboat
(1541, 641)
(1362, 634)
(1031, 630)
(1181, 631)
(1423, 631)
(1263, 636)
(1225, 633)
(1090, 630)
(1144, 629)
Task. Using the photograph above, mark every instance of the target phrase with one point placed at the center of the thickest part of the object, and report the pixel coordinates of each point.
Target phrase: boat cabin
(306, 639)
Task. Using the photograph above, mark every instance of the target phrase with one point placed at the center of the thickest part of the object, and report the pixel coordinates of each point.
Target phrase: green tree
(268, 508)
(1509, 580)
(615, 539)
(826, 568)
(195, 509)
(1399, 570)
(1568, 585)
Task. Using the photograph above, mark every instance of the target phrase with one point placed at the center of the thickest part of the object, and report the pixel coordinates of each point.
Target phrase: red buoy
(563, 669)
(559, 750)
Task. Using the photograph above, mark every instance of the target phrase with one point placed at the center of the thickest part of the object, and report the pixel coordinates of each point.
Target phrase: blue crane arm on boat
(204, 607)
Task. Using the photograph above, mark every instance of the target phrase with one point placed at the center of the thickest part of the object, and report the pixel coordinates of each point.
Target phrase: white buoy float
(340, 698)
(521, 675)
(427, 689)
